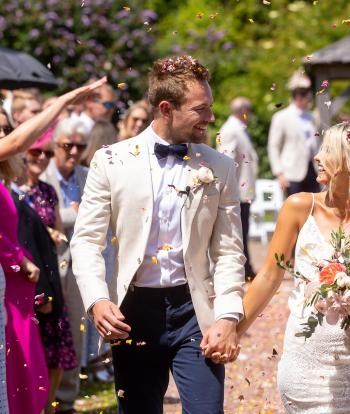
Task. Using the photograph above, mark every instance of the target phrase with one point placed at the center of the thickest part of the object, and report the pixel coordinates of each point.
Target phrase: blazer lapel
(194, 196)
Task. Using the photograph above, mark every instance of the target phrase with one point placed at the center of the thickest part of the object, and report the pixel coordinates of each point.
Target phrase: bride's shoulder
(299, 204)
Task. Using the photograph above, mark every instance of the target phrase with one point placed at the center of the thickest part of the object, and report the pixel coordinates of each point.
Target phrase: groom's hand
(220, 342)
(109, 320)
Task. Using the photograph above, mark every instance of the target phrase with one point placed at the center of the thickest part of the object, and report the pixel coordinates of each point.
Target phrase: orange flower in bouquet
(329, 272)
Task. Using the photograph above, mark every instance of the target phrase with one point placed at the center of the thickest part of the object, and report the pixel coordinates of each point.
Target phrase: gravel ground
(250, 385)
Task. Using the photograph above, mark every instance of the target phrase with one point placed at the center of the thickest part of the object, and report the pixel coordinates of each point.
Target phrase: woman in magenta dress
(27, 376)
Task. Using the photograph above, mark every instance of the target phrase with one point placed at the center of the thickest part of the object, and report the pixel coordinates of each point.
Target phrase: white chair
(264, 209)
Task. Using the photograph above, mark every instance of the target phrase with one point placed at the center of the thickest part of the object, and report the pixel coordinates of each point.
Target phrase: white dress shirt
(163, 264)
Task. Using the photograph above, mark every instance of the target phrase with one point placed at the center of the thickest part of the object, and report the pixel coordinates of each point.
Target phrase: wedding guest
(40, 228)
(136, 119)
(102, 134)
(236, 143)
(27, 377)
(99, 106)
(24, 106)
(11, 143)
(68, 179)
(292, 142)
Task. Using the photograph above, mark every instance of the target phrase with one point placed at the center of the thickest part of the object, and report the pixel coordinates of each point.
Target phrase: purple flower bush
(83, 39)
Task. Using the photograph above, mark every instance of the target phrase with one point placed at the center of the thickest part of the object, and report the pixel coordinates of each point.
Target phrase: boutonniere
(205, 175)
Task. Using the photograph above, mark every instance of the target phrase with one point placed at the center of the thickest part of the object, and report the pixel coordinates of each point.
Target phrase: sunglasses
(68, 146)
(36, 152)
(6, 129)
(108, 104)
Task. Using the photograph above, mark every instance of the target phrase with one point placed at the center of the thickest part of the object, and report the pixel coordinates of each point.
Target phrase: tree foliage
(252, 47)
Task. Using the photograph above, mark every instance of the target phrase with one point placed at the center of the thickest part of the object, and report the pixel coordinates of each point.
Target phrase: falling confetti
(186, 158)
(63, 264)
(16, 268)
(121, 85)
(166, 247)
(328, 104)
(325, 84)
(136, 150)
(346, 21)
(154, 260)
(120, 393)
(218, 138)
(114, 240)
(200, 15)
(251, 20)
(126, 8)
(82, 327)
(266, 2)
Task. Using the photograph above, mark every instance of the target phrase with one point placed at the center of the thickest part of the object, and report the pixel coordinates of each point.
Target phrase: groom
(173, 206)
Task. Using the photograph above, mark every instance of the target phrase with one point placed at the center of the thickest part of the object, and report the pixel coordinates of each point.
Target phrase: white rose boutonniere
(205, 175)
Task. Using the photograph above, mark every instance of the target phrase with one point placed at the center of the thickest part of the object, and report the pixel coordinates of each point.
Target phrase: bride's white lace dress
(313, 374)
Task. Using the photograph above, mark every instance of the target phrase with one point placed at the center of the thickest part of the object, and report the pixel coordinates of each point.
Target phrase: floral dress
(55, 328)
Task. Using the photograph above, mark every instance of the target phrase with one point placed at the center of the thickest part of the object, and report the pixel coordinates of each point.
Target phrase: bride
(314, 371)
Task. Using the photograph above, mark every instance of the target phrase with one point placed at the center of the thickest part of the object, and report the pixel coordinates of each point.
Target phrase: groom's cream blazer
(118, 192)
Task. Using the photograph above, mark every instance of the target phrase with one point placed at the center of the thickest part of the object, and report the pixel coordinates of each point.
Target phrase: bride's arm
(292, 215)
(21, 138)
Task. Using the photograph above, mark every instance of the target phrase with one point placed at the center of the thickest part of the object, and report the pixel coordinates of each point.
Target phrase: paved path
(251, 381)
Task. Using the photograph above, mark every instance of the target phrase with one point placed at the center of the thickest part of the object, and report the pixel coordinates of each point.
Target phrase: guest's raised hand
(109, 320)
(30, 270)
(80, 94)
(220, 342)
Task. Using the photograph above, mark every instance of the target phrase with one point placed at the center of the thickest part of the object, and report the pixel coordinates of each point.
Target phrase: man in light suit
(68, 178)
(173, 205)
(293, 143)
(236, 143)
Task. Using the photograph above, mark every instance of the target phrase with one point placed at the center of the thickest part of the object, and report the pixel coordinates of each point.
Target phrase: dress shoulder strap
(313, 204)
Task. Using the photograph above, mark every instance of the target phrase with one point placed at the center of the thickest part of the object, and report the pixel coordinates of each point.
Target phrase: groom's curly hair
(169, 78)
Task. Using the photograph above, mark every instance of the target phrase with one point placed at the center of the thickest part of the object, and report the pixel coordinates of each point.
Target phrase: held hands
(109, 320)
(220, 342)
(30, 270)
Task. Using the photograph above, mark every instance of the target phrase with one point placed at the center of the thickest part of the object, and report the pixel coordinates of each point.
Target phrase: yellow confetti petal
(154, 260)
(137, 150)
(55, 404)
(128, 341)
(82, 327)
(346, 21)
(121, 85)
(218, 139)
(186, 158)
(63, 264)
(114, 240)
(126, 8)
(50, 298)
(251, 21)
(200, 15)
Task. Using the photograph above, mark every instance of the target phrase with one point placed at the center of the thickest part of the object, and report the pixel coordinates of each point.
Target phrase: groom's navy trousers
(164, 336)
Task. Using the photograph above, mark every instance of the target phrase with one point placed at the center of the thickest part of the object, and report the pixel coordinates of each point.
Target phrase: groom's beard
(187, 138)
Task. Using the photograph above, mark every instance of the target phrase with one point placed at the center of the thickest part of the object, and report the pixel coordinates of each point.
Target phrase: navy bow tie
(162, 151)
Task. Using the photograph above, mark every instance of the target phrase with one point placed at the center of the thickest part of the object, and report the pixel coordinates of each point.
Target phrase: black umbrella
(19, 70)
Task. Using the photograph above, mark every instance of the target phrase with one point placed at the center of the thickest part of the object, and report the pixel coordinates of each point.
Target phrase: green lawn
(96, 398)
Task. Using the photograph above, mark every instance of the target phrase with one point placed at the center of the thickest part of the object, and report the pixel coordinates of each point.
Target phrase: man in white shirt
(100, 106)
(173, 206)
(236, 143)
(293, 141)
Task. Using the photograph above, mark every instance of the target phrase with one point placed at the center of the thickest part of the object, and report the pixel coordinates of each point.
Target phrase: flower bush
(82, 39)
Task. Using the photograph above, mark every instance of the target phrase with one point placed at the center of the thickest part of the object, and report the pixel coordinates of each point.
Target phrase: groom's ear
(165, 109)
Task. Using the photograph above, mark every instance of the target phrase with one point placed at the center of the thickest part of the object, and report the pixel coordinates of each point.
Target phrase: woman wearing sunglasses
(26, 379)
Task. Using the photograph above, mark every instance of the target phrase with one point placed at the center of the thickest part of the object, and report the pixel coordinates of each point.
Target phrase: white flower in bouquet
(342, 279)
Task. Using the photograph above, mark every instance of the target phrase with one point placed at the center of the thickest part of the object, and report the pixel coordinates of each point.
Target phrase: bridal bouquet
(329, 296)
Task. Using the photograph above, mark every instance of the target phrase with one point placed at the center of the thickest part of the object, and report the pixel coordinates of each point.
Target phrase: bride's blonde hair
(335, 152)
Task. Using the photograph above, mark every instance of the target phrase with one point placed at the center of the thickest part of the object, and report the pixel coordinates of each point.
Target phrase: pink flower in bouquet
(329, 272)
(322, 306)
